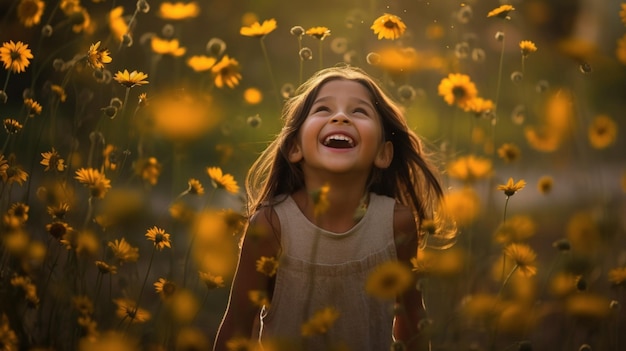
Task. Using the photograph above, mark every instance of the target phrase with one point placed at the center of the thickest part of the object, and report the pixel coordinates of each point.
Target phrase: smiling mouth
(338, 141)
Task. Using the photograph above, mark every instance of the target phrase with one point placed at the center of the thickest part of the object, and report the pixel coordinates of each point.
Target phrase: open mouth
(338, 141)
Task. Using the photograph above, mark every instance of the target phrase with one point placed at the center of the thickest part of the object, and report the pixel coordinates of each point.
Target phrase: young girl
(343, 134)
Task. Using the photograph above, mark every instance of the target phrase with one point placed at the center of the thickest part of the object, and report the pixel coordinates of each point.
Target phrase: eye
(321, 108)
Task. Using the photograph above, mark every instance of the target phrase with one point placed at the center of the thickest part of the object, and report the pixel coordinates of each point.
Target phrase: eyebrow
(358, 100)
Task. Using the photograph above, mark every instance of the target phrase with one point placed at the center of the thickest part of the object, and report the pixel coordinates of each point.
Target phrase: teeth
(338, 137)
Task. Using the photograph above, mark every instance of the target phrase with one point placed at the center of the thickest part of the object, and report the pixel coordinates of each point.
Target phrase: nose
(340, 118)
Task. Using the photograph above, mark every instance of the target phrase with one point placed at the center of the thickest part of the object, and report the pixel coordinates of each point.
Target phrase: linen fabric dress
(320, 269)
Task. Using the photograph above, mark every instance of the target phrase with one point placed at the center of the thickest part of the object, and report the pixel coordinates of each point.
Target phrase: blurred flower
(320, 322)
(480, 107)
(558, 119)
(510, 188)
(588, 305)
(179, 10)
(457, 89)
(15, 56)
(221, 180)
(259, 298)
(388, 280)
(142, 100)
(267, 266)
(320, 200)
(258, 30)
(211, 281)
(167, 47)
(563, 284)
(97, 182)
(192, 338)
(584, 233)
(241, 344)
(523, 257)
(8, 338)
(83, 304)
(123, 251)
(117, 23)
(106, 268)
(515, 229)
(318, 32)
(478, 306)
(97, 57)
(617, 276)
(509, 152)
(545, 184)
(183, 306)
(297, 31)
(52, 160)
(29, 289)
(502, 12)
(470, 168)
(463, 205)
(527, 47)
(439, 263)
(252, 96)
(131, 79)
(201, 63)
(32, 107)
(602, 132)
(29, 12)
(215, 47)
(19, 210)
(434, 31)
(58, 229)
(78, 16)
(164, 288)
(388, 26)
(59, 91)
(195, 187)
(127, 308)
(108, 341)
(226, 72)
(149, 169)
(622, 13)
(12, 126)
(110, 155)
(160, 238)
(15, 174)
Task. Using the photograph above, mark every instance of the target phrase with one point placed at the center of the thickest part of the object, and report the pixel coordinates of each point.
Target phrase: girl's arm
(406, 322)
(261, 239)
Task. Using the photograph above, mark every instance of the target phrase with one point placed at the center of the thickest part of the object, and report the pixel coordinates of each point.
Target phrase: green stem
(269, 69)
(143, 286)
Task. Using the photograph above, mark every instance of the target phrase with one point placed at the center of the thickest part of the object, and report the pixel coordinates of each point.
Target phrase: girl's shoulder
(264, 228)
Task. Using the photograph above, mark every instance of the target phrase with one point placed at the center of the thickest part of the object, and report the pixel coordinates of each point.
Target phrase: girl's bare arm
(261, 239)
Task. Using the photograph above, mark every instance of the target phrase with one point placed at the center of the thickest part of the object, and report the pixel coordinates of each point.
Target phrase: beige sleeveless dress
(320, 269)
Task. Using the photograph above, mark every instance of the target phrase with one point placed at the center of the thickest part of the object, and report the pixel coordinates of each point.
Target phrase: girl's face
(342, 132)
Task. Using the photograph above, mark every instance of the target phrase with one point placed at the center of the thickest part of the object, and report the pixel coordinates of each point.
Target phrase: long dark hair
(410, 178)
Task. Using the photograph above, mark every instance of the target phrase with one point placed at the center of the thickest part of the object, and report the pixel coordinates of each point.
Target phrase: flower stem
(269, 69)
(145, 280)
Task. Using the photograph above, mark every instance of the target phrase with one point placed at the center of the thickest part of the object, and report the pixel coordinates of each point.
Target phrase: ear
(384, 156)
(295, 152)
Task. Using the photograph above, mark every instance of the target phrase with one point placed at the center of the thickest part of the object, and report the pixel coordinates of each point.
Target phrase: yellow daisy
(127, 308)
(195, 187)
(19, 210)
(221, 180)
(388, 26)
(179, 10)
(318, 32)
(58, 229)
(15, 56)
(389, 280)
(502, 11)
(602, 132)
(267, 266)
(201, 63)
(4, 166)
(149, 169)
(12, 126)
(130, 79)
(258, 298)
(83, 305)
(106, 268)
(226, 72)
(509, 152)
(211, 281)
(15, 174)
(258, 30)
(470, 168)
(32, 107)
(545, 184)
(160, 238)
(480, 107)
(167, 47)
(320, 200)
(527, 47)
(164, 288)
(117, 23)
(123, 251)
(97, 182)
(523, 257)
(52, 160)
(510, 188)
(29, 12)
(617, 276)
(320, 322)
(457, 89)
(59, 91)
(97, 57)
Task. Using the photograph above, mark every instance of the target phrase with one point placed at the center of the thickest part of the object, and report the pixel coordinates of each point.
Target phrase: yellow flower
(32, 107)
(149, 169)
(167, 47)
(97, 57)
(267, 266)
(19, 210)
(211, 281)
(463, 205)
(480, 107)
(258, 30)
(388, 26)
(83, 305)
(226, 72)
(29, 12)
(622, 13)
(320, 322)
(510, 188)
(123, 251)
(201, 63)
(97, 182)
(509, 152)
(195, 187)
(12, 126)
(620, 51)
(8, 338)
(617, 276)
(602, 132)
(259, 298)
(388, 280)
(164, 288)
(523, 257)
(515, 229)
(224, 181)
(502, 11)
(470, 168)
(527, 47)
(15, 56)
(29, 289)
(106, 268)
(4, 166)
(52, 160)
(117, 23)
(58, 229)
(240, 344)
(131, 79)
(320, 200)
(545, 184)
(179, 10)
(59, 91)
(587, 305)
(457, 89)
(15, 174)
(142, 100)
(160, 238)
(126, 308)
(318, 32)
